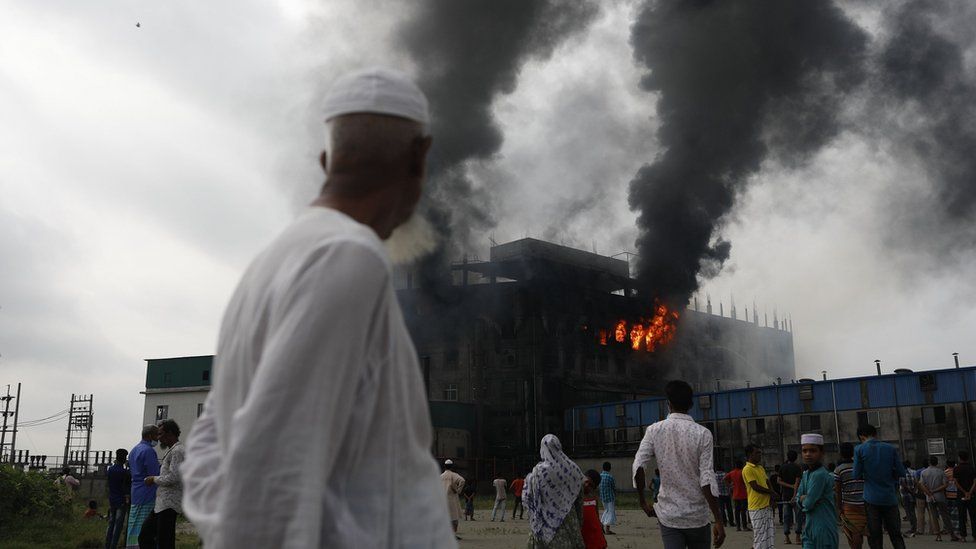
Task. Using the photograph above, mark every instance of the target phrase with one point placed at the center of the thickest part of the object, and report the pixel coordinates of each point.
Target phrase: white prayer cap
(448, 462)
(811, 438)
(377, 90)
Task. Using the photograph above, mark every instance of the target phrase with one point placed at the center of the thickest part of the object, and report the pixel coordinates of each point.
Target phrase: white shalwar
(316, 432)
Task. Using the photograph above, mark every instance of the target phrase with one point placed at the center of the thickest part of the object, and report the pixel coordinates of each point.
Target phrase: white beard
(412, 240)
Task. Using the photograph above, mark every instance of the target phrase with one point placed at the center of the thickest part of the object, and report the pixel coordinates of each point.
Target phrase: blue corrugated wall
(954, 385)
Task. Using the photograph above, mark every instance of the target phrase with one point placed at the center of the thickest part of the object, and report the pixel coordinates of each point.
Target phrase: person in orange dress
(592, 528)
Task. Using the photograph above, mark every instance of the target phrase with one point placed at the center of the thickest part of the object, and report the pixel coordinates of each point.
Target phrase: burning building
(540, 328)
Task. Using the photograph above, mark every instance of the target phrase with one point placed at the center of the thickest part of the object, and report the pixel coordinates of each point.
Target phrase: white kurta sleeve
(201, 475)
(706, 467)
(284, 439)
(643, 457)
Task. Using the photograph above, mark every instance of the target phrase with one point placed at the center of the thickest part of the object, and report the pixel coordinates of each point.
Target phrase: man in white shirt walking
(316, 429)
(683, 450)
(500, 497)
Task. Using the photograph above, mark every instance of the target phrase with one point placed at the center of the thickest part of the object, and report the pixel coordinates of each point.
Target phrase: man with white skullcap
(816, 496)
(453, 483)
(316, 429)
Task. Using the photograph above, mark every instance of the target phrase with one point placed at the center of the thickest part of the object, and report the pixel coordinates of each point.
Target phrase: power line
(55, 415)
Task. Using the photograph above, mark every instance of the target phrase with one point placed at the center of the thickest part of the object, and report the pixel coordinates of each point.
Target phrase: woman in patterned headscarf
(552, 496)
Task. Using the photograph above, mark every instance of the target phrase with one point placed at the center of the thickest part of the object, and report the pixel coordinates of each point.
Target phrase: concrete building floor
(635, 530)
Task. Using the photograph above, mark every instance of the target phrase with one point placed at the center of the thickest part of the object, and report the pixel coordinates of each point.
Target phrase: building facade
(176, 389)
(540, 328)
(922, 413)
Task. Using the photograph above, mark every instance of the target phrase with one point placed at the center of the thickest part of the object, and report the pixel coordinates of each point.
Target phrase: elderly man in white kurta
(316, 431)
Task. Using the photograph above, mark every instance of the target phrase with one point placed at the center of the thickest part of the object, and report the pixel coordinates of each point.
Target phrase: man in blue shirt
(143, 462)
(118, 498)
(877, 463)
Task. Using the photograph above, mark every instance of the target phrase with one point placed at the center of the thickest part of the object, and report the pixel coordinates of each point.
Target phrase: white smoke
(412, 240)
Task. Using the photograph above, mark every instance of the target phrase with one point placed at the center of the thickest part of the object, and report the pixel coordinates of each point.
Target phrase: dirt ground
(634, 530)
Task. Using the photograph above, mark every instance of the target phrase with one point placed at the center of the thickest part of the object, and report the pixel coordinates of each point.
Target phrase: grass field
(77, 532)
(74, 533)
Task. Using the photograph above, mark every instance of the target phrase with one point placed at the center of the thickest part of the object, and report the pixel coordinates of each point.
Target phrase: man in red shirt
(739, 496)
(516, 487)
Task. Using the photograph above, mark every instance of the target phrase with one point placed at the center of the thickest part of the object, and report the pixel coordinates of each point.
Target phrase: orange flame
(636, 336)
(620, 332)
(648, 335)
(661, 329)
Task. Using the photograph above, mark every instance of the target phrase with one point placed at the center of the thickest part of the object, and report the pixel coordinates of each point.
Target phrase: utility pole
(13, 435)
(4, 456)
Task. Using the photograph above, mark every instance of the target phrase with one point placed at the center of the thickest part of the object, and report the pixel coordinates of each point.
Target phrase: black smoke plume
(923, 78)
(737, 82)
(466, 53)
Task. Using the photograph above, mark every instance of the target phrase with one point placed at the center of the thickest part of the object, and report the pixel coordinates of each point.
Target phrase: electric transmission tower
(77, 443)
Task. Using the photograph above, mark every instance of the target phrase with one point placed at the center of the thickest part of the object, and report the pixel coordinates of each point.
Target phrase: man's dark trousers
(116, 523)
(741, 513)
(690, 538)
(967, 507)
(159, 531)
(792, 517)
(886, 517)
(725, 505)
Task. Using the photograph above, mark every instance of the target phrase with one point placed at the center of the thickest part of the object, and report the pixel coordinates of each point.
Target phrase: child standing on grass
(592, 528)
(469, 492)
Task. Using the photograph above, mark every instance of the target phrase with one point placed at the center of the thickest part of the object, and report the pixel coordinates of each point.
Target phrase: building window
(621, 414)
(167, 377)
(756, 426)
(620, 436)
(809, 423)
(425, 364)
(934, 415)
(162, 412)
(206, 375)
(451, 391)
(806, 392)
(872, 417)
(199, 409)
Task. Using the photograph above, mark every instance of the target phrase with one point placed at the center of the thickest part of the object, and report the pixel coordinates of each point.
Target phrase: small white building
(176, 389)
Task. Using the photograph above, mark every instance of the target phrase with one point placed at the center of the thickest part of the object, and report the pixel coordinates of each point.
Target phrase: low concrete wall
(619, 467)
(92, 488)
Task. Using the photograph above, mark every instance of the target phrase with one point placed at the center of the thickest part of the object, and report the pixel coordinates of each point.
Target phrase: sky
(142, 167)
